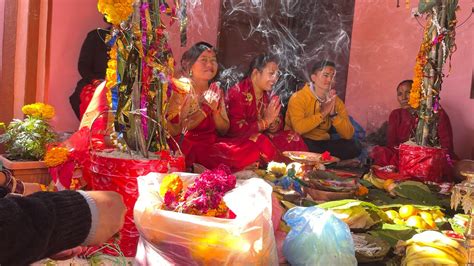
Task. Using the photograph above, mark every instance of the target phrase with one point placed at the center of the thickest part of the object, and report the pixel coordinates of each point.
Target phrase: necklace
(313, 90)
(259, 105)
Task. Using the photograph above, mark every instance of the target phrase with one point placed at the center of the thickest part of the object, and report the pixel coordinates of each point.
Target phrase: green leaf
(288, 205)
(366, 183)
(393, 233)
(415, 193)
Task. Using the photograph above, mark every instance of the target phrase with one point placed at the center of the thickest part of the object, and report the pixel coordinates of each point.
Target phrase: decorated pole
(141, 66)
(438, 44)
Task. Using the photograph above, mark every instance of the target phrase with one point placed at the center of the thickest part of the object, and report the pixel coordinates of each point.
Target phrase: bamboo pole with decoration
(437, 45)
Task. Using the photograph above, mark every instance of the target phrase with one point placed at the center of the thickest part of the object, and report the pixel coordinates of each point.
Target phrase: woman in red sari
(197, 117)
(402, 124)
(254, 113)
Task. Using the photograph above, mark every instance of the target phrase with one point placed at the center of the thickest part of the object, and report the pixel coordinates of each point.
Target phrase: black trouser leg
(75, 98)
(342, 148)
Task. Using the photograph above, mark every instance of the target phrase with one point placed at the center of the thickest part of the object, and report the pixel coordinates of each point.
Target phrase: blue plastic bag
(317, 238)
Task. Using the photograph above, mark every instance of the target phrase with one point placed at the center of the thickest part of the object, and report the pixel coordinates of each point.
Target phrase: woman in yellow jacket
(315, 109)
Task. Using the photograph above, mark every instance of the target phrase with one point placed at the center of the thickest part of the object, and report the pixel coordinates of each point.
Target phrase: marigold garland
(56, 156)
(111, 72)
(421, 60)
(115, 11)
(39, 110)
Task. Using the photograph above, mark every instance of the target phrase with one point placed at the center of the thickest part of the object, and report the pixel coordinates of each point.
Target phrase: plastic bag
(182, 239)
(317, 238)
(424, 163)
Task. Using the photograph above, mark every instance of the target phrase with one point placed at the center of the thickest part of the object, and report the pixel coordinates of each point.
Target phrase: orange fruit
(416, 221)
(428, 218)
(398, 221)
(407, 210)
(392, 214)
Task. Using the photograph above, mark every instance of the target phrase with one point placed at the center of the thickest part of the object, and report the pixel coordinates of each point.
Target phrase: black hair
(406, 81)
(260, 61)
(322, 64)
(192, 54)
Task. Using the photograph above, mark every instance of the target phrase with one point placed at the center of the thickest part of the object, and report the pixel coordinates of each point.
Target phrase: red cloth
(244, 145)
(195, 140)
(86, 96)
(120, 175)
(202, 145)
(244, 115)
(401, 125)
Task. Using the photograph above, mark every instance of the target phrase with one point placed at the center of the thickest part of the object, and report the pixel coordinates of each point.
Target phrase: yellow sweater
(304, 117)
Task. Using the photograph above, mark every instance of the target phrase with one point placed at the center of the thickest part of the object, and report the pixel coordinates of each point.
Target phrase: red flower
(326, 156)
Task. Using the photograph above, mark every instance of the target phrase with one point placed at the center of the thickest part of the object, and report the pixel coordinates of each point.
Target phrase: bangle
(333, 115)
(204, 113)
(12, 184)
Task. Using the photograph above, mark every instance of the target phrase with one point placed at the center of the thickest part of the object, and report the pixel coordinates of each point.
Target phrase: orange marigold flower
(56, 156)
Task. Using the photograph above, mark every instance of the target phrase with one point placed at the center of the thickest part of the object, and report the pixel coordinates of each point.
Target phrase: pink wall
(72, 20)
(385, 41)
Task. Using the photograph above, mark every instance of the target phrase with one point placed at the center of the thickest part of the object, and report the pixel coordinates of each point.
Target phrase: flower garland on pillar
(437, 46)
(140, 67)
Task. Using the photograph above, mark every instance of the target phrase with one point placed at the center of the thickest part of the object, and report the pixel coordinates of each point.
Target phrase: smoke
(298, 32)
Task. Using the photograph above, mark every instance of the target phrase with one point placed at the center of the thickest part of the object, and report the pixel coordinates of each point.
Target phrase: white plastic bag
(168, 237)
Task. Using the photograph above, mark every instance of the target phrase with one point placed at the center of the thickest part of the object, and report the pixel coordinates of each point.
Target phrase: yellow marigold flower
(39, 110)
(56, 156)
(115, 11)
(171, 182)
(47, 111)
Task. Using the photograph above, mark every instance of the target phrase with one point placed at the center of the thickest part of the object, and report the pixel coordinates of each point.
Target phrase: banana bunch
(433, 248)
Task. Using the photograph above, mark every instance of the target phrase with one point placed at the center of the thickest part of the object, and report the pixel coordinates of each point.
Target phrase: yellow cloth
(304, 117)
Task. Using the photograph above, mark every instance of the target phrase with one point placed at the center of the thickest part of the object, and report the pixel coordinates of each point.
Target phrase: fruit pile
(413, 216)
(433, 248)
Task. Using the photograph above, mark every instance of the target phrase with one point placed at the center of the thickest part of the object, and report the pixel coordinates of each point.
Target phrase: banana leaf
(417, 184)
(349, 203)
(366, 183)
(455, 223)
(380, 198)
(287, 205)
(392, 233)
(419, 194)
(308, 203)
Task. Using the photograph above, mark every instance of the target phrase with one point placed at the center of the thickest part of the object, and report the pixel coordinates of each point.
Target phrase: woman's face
(324, 78)
(267, 77)
(403, 94)
(205, 67)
